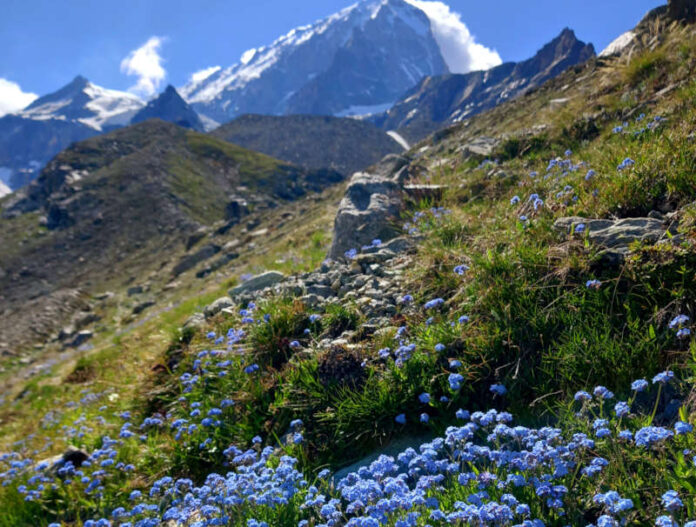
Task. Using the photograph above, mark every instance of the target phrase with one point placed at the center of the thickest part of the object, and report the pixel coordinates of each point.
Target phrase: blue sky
(45, 43)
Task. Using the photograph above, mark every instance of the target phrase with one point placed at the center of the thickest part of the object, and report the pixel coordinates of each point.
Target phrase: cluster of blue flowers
(425, 218)
(486, 471)
(640, 126)
(500, 474)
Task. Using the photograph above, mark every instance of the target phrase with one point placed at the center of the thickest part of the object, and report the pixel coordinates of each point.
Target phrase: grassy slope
(534, 325)
(149, 187)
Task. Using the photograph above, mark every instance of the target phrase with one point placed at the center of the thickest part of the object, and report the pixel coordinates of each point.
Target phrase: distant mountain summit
(445, 99)
(169, 106)
(360, 59)
(80, 109)
(80, 101)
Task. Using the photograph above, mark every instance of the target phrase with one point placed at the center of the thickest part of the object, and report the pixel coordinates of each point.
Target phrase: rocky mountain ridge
(312, 141)
(439, 101)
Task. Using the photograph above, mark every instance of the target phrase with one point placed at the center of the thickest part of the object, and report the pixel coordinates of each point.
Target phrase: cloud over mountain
(12, 98)
(458, 46)
(145, 63)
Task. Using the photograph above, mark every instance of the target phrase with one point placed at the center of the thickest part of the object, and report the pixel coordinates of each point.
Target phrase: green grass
(533, 324)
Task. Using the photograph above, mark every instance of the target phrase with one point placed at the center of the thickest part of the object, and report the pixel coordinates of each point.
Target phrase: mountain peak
(366, 55)
(170, 106)
(171, 91)
(79, 80)
(564, 45)
(84, 103)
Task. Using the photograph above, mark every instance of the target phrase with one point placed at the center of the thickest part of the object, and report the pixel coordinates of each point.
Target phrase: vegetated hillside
(78, 110)
(529, 337)
(311, 141)
(122, 205)
(442, 100)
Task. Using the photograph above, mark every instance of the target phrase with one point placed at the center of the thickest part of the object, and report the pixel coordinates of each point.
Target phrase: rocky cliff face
(682, 10)
(441, 100)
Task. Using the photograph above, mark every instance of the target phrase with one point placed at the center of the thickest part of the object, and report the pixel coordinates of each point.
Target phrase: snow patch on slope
(110, 107)
(196, 79)
(4, 190)
(458, 46)
(361, 112)
(399, 139)
(102, 107)
(618, 44)
(50, 110)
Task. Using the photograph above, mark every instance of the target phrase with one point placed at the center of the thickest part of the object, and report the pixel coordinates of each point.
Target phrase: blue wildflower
(498, 389)
(455, 381)
(436, 302)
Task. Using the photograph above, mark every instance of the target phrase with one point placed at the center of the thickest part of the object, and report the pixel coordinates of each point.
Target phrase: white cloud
(458, 46)
(145, 63)
(12, 98)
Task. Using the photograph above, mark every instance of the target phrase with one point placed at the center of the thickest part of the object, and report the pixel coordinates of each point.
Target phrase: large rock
(481, 146)
(81, 338)
(217, 306)
(258, 282)
(195, 321)
(616, 235)
(370, 207)
(682, 10)
(191, 260)
(72, 455)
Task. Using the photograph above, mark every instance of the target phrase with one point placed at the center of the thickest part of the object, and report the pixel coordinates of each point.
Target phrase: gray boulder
(370, 207)
(197, 320)
(191, 260)
(399, 245)
(72, 455)
(217, 306)
(481, 146)
(615, 235)
(81, 338)
(682, 10)
(142, 306)
(261, 281)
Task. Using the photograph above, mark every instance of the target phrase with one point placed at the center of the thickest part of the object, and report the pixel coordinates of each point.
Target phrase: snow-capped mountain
(86, 103)
(365, 56)
(80, 109)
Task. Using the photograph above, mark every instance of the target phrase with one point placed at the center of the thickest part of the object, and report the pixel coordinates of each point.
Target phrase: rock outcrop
(682, 10)
(616, 236)
(370, 207)
(372, 281)
(257, 283)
